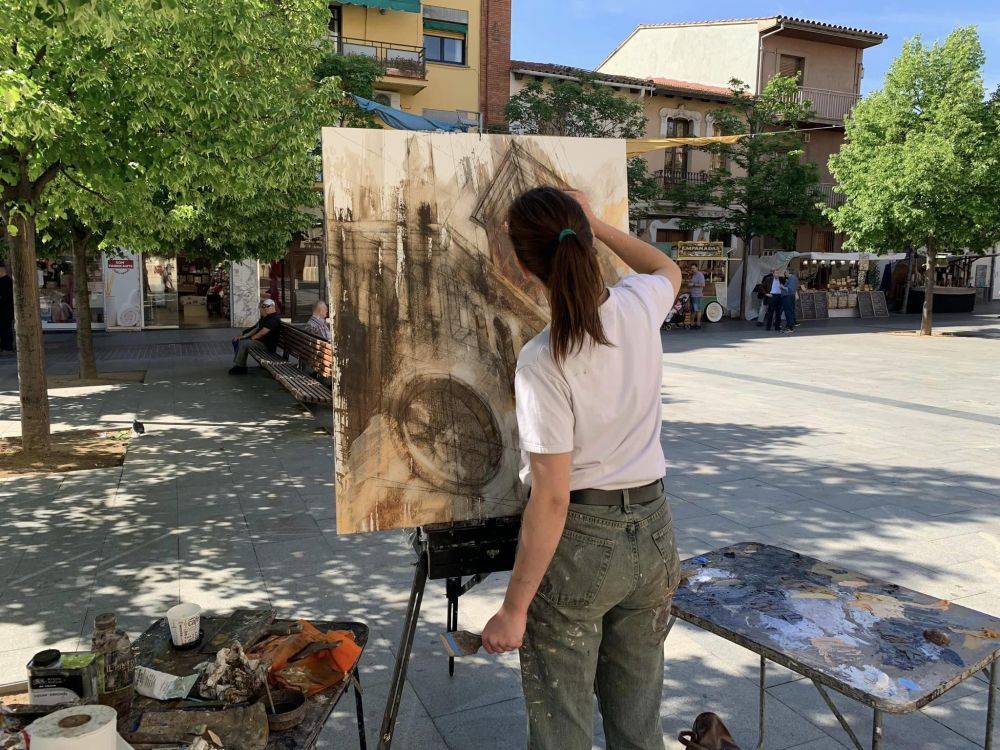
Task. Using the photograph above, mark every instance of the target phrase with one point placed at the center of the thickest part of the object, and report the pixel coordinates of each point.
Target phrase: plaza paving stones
(842, 441)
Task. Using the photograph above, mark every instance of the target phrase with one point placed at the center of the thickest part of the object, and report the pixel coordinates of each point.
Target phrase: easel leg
(991, 706)
(763, 674)
(360, 708)
(403, 655)
(876, 729)
(453, 590)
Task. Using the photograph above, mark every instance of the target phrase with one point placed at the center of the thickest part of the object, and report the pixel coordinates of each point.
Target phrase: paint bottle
(55, 677)
(116, 663)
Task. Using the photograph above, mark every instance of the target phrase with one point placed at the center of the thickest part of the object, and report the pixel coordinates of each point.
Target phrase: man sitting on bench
(265, 334)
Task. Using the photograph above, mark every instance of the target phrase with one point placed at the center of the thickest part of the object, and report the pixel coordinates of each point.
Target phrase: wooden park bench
(311, 354)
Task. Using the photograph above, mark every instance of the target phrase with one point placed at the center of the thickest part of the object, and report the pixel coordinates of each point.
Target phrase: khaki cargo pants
(597, 624)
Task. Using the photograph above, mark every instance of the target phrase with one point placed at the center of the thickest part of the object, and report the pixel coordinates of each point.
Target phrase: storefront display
(954, 289)
(56, 297)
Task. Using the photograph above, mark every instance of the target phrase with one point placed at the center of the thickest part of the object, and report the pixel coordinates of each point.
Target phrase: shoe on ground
(237, 370)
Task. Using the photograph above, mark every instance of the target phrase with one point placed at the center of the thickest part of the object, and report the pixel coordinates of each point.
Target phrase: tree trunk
(30, 349)
(81, 299)
(930, 275)
(743, 276)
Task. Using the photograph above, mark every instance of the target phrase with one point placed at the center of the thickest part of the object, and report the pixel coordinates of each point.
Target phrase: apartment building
(447, 60)
(827, 58)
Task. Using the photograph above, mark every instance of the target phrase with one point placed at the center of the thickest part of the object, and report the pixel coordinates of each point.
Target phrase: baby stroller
(680, 314)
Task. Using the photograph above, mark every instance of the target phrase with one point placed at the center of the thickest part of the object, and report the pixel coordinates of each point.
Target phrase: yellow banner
(637, 146)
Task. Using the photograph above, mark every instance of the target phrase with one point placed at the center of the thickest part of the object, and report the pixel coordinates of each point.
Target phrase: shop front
(55, 294)
(132, 292)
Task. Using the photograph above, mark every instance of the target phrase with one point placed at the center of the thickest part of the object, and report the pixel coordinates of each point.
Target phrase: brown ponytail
(564, 261)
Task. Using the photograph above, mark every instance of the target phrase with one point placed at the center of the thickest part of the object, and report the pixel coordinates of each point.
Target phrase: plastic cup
(185, 623)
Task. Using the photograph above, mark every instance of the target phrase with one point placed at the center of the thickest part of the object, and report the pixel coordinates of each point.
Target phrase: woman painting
(589, 596)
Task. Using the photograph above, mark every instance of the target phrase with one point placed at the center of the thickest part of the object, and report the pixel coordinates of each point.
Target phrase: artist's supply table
(154, 649)
(889, 648)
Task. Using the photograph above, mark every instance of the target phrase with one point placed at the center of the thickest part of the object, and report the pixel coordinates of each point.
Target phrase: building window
(334, 22)
(823, 242)
(672, 236)
(675, 162)
(444, 49)
(445, 33)
(792, 66)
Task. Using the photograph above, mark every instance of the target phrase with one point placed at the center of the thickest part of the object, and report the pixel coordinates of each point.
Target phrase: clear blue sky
(583, 32)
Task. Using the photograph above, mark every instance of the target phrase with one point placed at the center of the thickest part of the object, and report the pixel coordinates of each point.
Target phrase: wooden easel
(450, 552)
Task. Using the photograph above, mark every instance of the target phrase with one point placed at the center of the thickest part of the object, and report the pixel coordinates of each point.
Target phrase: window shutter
(789, 65)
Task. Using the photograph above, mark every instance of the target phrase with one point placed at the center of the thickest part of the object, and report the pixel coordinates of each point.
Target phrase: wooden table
(154, 649)
(887, 647)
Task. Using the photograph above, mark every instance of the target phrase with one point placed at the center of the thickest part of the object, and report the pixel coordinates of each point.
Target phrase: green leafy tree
(760, 184)
(588, 109)
(166, 108)
(355, 74)
(921, 160)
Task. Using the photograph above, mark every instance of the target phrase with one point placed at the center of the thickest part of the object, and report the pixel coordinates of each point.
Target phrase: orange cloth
(313, 673)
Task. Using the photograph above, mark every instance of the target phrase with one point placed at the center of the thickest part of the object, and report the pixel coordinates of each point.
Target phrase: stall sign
(691, 249)
(121, 265)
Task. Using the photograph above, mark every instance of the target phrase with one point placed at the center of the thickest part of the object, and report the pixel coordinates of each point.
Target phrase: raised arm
(637, 255)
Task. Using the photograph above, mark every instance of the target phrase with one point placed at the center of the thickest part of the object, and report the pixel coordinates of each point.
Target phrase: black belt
(647, 493)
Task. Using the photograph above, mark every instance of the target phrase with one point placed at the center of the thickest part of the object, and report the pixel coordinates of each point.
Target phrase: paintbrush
(461, 643)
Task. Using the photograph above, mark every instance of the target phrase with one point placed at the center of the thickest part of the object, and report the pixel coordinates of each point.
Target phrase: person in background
(588, 600)
(762, 290)
(789, 290)
(317, 324)
(696, 285)
(6, 311)
(265, 334)
(773, 316)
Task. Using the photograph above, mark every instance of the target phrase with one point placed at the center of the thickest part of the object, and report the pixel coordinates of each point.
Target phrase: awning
(410, 6)
(637, 146)
(453, 26)
(399, 120)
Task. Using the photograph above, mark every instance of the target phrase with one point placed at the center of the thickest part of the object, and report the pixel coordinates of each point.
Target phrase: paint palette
(884, 645)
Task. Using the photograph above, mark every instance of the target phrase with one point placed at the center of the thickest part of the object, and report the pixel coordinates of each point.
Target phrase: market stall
(841, 285)
(954, 289)
(712, 259)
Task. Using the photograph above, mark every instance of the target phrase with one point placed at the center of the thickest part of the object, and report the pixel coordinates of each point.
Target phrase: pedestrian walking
(761, 291)
(589, 598)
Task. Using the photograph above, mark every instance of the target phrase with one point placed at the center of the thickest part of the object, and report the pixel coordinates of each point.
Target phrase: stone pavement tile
(823, 743)
(269, 525)
(695, 682)
(717, 530)
(28, 619)
(69, 564)
(414, 728)
(320, 505)
(914, 730)
(502, 726)
(966, 579)
(965, 715)
(988, 602)
(479, 680)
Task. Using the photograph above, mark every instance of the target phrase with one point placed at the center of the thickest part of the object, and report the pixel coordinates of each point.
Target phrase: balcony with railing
(673, 177)
(832, 199)
(403, 64)
(828, 105)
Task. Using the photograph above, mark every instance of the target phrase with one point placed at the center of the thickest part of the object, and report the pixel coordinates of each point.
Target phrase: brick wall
(494, 64)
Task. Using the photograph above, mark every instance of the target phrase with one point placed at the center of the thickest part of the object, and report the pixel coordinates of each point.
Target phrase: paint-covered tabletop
(884, 645)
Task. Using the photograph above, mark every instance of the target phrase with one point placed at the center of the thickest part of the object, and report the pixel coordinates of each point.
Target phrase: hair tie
(566, 233)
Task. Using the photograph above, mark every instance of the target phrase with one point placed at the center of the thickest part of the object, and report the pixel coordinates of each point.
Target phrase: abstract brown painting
(430, 309)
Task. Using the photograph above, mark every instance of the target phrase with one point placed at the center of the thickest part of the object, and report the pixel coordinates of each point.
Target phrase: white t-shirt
(604, 404)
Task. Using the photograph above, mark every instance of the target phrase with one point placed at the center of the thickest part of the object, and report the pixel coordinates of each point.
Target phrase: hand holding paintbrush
(461, 643)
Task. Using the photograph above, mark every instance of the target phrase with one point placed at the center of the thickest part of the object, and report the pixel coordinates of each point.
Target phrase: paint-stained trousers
(598, 624)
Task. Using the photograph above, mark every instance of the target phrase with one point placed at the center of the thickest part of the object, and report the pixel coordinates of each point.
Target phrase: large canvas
(430, 310)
